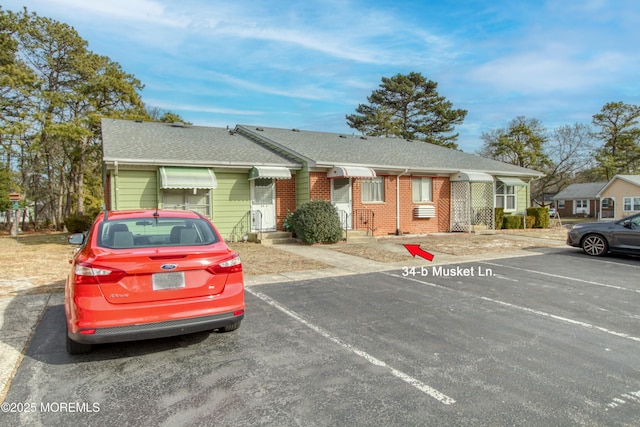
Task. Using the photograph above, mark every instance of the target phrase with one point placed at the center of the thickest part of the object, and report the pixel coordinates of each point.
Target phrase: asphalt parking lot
(547, 339)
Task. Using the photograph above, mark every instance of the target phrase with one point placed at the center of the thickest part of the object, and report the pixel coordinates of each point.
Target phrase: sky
(307, 64)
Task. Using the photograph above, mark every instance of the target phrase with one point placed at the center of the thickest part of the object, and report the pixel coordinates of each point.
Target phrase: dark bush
(78, 223)
(515, 222)
(317, 221)
(499, 218)
(541, 215)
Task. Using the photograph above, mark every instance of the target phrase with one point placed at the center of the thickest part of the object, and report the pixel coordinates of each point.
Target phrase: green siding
(231, 204)
(523, 198)
(303, 192)
(135, 190)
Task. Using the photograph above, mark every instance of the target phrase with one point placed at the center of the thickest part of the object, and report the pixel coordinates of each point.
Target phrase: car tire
(230, 327)
(74, 347)
(595, 245)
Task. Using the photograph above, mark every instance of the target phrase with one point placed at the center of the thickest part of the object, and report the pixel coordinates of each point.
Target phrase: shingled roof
(324, 149)
(587, 190)
(168, 144)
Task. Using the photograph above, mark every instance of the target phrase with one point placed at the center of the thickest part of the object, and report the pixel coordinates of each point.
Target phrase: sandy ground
(40, 262)
(392, 249)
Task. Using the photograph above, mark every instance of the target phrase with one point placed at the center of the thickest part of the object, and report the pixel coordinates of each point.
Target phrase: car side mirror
(76, 239)
(627, 223)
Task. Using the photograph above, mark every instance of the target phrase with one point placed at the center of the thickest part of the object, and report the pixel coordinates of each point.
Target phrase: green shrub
(499, 218)
(78, 223)
(541, 215)
(317, 221)
(515, 222)
(287, 223)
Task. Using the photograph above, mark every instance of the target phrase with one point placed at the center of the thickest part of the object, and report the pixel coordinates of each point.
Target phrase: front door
(341, 199)
(263, 204)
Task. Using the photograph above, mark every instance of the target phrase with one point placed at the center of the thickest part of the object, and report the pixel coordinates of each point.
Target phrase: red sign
(14, 197)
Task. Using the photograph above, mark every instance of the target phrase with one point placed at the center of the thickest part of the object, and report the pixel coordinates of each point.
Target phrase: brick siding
(285, 199)
(385, 213)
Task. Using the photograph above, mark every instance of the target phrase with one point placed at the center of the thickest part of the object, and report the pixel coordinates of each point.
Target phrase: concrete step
(270, 237)
(269, 242)
(358, 236)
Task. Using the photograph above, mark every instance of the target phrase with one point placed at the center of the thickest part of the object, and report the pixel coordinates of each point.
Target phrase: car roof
(146, 213)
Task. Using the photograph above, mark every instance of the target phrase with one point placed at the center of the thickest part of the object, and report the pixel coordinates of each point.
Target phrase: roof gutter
(221, 165)
(398, 201)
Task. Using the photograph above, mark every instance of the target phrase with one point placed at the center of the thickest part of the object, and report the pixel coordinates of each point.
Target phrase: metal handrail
(256, 220)
(364, 218)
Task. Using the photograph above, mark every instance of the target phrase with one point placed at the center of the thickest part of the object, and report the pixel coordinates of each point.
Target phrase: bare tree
(569, 152)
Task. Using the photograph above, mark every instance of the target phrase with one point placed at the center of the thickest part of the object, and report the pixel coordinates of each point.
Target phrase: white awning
(351, 172)
(509, 180)
(471, 176)
(176, 177)
(269, 172)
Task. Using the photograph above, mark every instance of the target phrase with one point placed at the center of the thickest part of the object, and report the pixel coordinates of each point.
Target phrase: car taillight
(87, 274)
(231, 265)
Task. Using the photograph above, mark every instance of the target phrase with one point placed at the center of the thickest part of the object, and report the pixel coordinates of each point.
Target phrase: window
(560, 204)
(631, 204)
(153, 232)
(373, 190)
(421, 189)
(341, 190)
(506, 197)
(191, 199)
(606, 203)
(264, 191)
(582, 204)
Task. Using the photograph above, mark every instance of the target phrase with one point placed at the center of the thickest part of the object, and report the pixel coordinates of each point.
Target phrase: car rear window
(151, 232)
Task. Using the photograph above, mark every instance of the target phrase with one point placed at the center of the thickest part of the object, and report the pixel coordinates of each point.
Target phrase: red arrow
(415, 250)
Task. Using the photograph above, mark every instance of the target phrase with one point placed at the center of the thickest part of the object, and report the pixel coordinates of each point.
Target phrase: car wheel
(595, 245)
(74, 347)
(229, 328)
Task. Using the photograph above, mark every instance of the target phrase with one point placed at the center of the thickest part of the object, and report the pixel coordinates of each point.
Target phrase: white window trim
(582, 209)
(185, 205)
(370, 196)
(421, 182)
(506, 196)
(632, 204)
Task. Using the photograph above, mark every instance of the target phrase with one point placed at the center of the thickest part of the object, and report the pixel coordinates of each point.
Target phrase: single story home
(623, 195)
(248, 178)
(580, 200)
(214, 171)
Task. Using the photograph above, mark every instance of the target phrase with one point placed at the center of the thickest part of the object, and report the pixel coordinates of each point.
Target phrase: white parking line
(563, 319)
(557, 276)
(441, 397)
(518, 307)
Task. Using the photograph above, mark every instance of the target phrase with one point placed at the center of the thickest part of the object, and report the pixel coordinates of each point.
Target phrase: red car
(149, 274)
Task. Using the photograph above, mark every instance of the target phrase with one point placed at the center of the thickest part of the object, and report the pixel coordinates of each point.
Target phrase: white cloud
(170, 106)
(548, 70)
(149, 11)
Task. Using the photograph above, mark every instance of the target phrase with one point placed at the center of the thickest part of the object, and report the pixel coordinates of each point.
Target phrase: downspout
(115, 185)
(398, 201)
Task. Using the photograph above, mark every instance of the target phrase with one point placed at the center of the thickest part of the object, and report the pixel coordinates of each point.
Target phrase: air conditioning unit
(424, 211)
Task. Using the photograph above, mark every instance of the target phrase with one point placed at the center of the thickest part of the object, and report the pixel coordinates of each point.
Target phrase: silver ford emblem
(169, 266)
